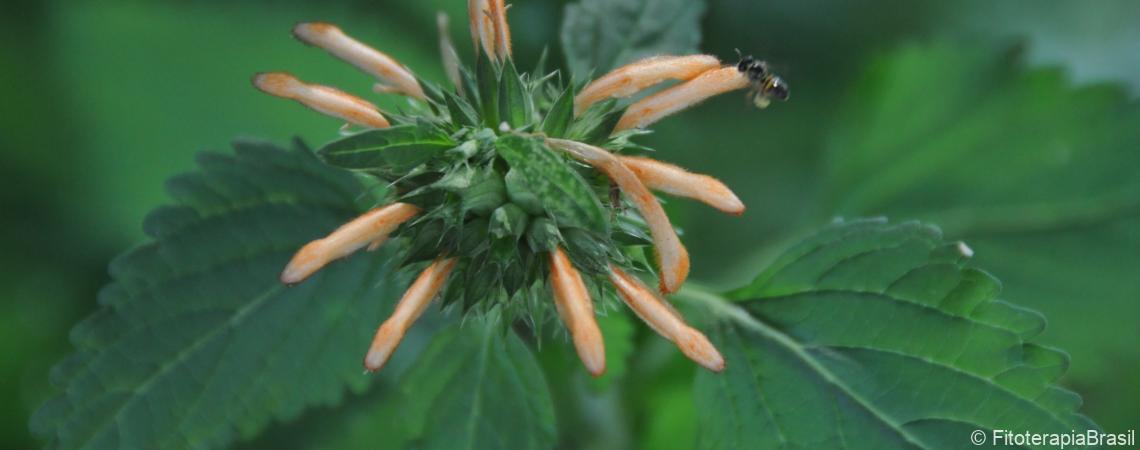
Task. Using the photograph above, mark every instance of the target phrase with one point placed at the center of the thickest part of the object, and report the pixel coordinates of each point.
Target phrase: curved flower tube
(370, 229)
(577, 312)
(330, 38)
(323, 99)
(677, 98)
(408, 310)
(637, 76)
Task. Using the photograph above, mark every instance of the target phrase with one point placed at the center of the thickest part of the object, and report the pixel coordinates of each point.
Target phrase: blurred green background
(102, 101)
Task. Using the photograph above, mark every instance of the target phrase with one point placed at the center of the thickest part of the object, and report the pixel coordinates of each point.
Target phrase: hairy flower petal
(410, 308)
(577, 312)
(634, 77)
(672, 257)
(370, 229)
(684, 95)
(482, 26)
(497, 10)
(674, 180)
(322, 99)
(333, 40)
(665, 320)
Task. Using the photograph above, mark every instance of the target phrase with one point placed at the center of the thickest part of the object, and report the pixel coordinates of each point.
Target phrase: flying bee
(765, 84)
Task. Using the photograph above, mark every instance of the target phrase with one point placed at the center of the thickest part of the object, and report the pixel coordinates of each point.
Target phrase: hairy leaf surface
(389, 151)
(877, 336)
(1040, 177)
(478, 387)
(195, 341)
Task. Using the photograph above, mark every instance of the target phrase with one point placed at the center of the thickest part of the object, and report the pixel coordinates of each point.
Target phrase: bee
(765, 84)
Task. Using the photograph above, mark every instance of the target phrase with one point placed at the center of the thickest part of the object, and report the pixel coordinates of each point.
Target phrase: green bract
(493, 193)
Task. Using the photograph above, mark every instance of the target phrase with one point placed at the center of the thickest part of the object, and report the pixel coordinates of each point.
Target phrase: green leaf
(877, 336)
(514, 102)
(487, 78)
(599, 35)
(390, 151)
(477, 387)
(196, 342)
(460, 110)
(1041, 178)
(596, 124)
(565, 195)
(558, 119)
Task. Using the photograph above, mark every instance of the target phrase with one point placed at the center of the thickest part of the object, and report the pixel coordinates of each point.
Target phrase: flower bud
(411, 306)
(635, 77)
(323, 99)
(663, 319)
(371, 227)
(674, 180)
(577, 312)
(684, 95)
(383, 67)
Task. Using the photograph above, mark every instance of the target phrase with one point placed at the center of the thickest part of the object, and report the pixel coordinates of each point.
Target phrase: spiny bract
(507, 185)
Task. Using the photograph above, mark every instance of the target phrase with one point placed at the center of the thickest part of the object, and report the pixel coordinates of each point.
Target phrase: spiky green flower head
(516, 189)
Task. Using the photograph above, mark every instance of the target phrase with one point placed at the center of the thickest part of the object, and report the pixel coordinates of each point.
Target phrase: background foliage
(1007, 124)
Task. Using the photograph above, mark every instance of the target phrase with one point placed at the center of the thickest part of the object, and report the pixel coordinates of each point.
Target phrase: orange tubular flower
(672, 257)
(677, 98)
(577, 311)
(323, 99)
(665, 320)
(410, 308)
(370, 229)
(674, 180)
(635, 77)
(497, 11)
(330, 38)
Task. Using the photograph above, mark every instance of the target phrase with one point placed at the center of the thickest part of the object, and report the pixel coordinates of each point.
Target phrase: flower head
(512, 193)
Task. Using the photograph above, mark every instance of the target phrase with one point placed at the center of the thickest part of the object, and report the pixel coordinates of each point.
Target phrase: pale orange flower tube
(635, 77)
(577, 312)
(482, 26)
(674, 180)
(497, 10)
(369, 229)
(411, 306)
(684, 95)
(672, 258)
(375, 63)
(323, 99)
(665, 320)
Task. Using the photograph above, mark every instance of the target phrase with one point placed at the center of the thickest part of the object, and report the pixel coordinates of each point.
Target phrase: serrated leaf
(600, 35)
(392, 152)
(564, 194)
(196, 342)
(558, 119)
(477, 387)
(514, 102)
(877, 336)
(1040, 177)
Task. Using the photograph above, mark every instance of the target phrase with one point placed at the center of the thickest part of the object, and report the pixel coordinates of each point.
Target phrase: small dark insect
(765, 84)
